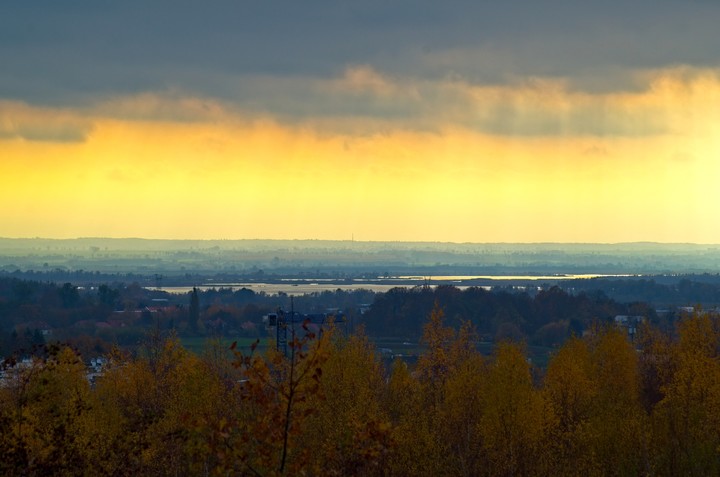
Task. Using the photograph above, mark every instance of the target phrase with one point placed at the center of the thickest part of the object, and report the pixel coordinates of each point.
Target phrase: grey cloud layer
(59, 51)
(364, 98)
(422, 62)
(363, 101)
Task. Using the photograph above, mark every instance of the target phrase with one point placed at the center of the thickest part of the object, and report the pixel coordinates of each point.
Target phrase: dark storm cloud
(64, 53)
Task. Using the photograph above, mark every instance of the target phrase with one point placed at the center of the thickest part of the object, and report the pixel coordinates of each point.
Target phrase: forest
(603, 406)
(473, 400)
(92, 318)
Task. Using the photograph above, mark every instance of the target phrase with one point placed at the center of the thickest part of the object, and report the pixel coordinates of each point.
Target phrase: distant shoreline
(314, 241)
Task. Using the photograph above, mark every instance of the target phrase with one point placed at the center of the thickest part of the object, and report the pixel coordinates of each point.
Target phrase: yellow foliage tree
(349, 432)
(44, 409)
(152, 413)
(461, 414)
(617, 427)
(514, 421)
(414, 451)
(570, 389)
(686, 423)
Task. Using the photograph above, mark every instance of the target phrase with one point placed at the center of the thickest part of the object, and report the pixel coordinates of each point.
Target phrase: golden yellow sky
(460, 162)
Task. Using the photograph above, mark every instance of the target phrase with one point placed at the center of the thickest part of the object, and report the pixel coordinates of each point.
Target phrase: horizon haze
(348, 259)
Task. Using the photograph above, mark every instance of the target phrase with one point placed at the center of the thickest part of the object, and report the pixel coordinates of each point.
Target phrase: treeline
(604, 406)
(661, 291)
(95, 317)
(547, 318)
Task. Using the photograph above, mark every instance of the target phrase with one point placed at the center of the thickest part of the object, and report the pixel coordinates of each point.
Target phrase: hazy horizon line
(352, 240)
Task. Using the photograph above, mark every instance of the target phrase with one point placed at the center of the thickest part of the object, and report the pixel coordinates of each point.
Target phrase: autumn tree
(43, 411)
(616, 428)
(349, 432)
(514, 416)
(413, 436)
(686, 423)
(276, 394)
(421, 440)
(152, 412)
(570, 389)
(461, 414)
(436, 410)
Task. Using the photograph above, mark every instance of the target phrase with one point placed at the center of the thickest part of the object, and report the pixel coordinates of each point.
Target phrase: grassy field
(197, 344)
(538, 355)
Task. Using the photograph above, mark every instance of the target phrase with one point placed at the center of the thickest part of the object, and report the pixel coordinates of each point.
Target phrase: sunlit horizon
(430, 145)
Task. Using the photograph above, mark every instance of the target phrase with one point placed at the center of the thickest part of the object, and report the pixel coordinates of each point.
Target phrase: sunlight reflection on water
(302, 286)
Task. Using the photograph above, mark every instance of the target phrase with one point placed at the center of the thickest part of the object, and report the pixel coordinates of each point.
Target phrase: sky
(453, 121)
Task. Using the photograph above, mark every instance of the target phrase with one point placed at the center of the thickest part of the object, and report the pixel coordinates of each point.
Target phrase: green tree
(107, 295)
(194, 311)
(69, 295)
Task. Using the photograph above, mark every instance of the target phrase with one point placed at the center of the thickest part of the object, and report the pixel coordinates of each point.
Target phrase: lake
(302, 286)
